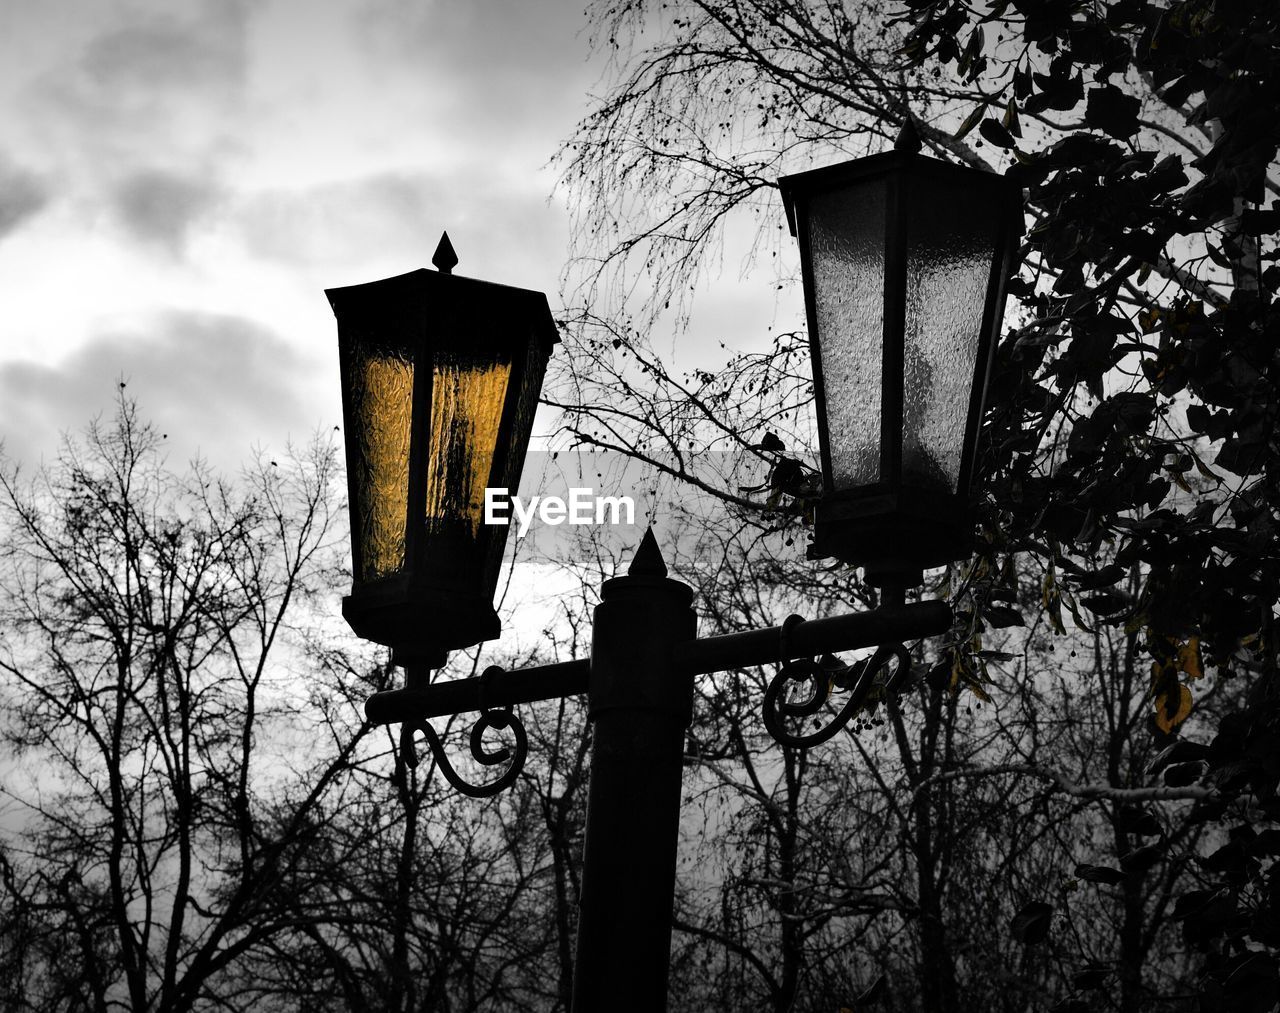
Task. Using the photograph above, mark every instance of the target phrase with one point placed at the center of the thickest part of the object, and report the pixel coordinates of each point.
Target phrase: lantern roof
(442, 295)
(800, 185)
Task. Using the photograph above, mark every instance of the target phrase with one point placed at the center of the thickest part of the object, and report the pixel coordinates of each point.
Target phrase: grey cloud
(161, 207)
(154, 89)
(215, 384)
(22, 195)
(517, 69)
(511, 42)
(161, 54)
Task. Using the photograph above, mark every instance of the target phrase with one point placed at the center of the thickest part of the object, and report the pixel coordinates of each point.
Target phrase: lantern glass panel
(950, 246)
(847, 247)
(468, 392)
(382, 397)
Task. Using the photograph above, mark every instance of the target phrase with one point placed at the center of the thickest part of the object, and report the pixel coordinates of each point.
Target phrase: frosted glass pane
(467, 395)
(949, 249)
(382, 396)
(846, 244)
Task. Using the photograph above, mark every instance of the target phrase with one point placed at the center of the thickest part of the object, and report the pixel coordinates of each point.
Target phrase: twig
(1153, 793)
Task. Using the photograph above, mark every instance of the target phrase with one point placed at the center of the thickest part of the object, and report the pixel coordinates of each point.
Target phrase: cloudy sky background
(179, 182)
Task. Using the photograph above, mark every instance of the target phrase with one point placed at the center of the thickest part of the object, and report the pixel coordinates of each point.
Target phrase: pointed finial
(444, 258)
(648, 559)
(908, 139)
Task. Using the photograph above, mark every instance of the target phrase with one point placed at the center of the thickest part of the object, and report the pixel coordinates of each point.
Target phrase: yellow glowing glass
(383, 401)
(467, 396)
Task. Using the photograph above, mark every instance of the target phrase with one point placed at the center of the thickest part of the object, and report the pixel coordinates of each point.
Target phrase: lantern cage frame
(896, 527)
(441, 598)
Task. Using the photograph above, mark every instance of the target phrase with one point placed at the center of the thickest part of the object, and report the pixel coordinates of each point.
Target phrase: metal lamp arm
(887, 625)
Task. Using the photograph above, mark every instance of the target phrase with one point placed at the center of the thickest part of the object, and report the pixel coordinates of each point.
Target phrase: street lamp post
(903, 291)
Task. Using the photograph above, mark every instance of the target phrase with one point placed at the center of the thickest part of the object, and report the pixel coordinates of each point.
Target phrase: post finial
(444, 259)
(648, 560)
(908, 138)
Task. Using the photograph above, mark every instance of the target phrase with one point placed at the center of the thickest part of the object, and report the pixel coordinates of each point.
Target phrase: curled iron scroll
(820, 680)
(499, 718)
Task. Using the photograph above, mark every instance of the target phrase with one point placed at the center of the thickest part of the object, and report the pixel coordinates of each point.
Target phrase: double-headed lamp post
(903, 260)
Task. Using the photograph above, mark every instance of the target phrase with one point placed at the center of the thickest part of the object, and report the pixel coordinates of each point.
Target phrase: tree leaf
(971, 120)
(1002, 616)
(1098, 579)
(1099, 874)
(975, 687)
(1182, 751)
(1107, 602)
(995, 132)
(1182, 774)
(771, 442)
(1139, 822)
(1205, 470)
(1112, 111)
(1172, 708)
(1031, 924)
(1010, 120)
(1189, 658)
(1141, 859)
(1254, 986)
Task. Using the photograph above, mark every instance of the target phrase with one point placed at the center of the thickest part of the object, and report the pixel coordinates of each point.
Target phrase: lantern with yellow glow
(440, 380)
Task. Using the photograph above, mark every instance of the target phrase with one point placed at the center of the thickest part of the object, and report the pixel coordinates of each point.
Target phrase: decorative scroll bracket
(499, 718)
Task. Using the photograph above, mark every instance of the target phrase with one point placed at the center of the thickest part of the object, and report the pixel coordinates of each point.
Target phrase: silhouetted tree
(1130, 438)
(167, 768)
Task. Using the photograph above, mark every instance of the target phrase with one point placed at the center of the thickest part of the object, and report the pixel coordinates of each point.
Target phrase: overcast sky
(180, 181)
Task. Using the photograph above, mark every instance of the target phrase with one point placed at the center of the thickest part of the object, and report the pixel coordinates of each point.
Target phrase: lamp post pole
(640, 703)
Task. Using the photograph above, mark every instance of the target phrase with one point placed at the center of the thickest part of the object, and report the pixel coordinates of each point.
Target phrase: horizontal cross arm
(887, 625)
